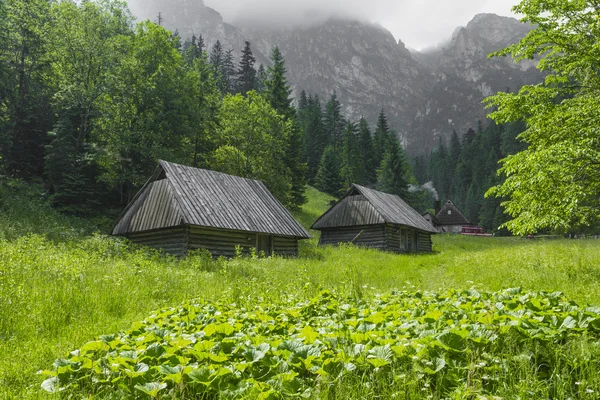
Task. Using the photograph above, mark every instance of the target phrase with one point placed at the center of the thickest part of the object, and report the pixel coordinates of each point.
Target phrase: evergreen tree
(277, 88)
(216, 56)
(333, 121)
(277, 92)
(228, 73)
(381, 138)
(176, 41)
(329, 179)
(314, 137)
(421, 169)
(367, 156)
(303, 102)
(192, 50)
(261, 79)
(246, 74)
(391, 176)
(352, 167)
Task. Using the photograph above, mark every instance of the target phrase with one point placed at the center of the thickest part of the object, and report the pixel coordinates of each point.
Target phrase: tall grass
(62, 285)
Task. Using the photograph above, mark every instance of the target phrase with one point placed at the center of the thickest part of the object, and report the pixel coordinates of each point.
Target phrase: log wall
(171, 240)
(372, 236)
(179, 240)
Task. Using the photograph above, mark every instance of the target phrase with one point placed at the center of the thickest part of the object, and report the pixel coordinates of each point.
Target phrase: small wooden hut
(450, 219)
(366, 217)
(183, 208)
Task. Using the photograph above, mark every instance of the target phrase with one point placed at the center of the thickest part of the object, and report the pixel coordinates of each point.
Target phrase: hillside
(62, 286)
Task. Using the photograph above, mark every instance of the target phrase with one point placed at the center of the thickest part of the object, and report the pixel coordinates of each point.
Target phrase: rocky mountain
(362, 62)
(426, 95)
(464, 76)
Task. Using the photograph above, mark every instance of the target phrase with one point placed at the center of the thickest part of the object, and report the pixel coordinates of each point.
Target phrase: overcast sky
(418, 23)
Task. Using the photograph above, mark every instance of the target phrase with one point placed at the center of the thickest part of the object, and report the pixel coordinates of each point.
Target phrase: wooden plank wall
(392, 237)
(220, 242)
(425, 244)
(372, 236)
(172, 241)
(223, 243)
(285, 246)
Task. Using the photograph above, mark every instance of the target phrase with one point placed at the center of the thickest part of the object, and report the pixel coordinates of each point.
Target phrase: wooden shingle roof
(363, 206)
(181, 195)
(451, 215)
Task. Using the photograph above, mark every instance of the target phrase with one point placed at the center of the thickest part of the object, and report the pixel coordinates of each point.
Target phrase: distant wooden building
(182, 208)
(375, 219)
(429, 217)
(450, 219)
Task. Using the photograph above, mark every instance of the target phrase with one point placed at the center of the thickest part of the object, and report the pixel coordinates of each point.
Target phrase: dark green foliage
(246, 74)
(261, 79)
(352, 169)
(193, 49)
(329, 178)
(277, 92)
(223, 67)
(303, 102)
(116, 98)
(464, 172)
(392, 174)
(311, 121)
(333, 121)
(381, 139)
(229, 73)
(367, 154)
(25, 114)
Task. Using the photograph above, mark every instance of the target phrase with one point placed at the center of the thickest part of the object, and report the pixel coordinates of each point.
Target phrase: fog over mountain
(426, 94)
(418, 23)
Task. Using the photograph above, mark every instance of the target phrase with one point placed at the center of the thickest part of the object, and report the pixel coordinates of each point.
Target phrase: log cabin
(369, 218)
(181, 209)
(450, 219)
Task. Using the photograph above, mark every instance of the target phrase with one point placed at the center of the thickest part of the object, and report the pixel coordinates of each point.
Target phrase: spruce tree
(329, 179)
(352, 158)
(381, 138)
(303, 102)
(334, 121)
(314, 137)
(246, 74)
(216, 55)
(261, 79)
(229, 72)
(367, 156)
(276, 86)
(192, 50)
(277, 92)
(391, 176)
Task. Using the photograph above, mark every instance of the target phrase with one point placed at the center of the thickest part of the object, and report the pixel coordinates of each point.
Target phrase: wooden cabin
(429, 217)
(183, 208)
(450, 219)
(366, 217)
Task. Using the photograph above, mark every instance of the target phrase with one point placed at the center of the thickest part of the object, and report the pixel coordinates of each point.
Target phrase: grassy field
(62, 285)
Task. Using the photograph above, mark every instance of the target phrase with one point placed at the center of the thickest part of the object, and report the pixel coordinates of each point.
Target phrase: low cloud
(418, 23)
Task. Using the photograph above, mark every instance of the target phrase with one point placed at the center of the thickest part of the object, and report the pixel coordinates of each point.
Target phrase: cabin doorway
(264, 244)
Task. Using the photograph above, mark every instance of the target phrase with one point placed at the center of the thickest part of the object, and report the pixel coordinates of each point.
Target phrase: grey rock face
(425, 95)
(361, 61)
(465, 76)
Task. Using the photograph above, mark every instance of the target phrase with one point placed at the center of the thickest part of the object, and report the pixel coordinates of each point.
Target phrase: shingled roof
(180, 195)
(362, 206)
(451, 215)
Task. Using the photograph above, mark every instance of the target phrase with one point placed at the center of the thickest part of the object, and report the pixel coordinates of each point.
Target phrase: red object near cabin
(474, 231)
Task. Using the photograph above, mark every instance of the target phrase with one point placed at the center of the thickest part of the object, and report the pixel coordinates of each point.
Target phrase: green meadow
(63, 284)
